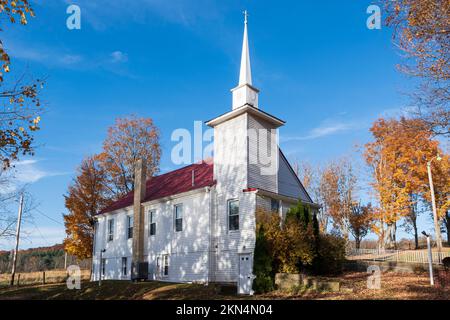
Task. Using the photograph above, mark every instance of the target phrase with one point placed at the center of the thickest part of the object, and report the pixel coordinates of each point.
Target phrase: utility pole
(19, 220)
(437, 229)
(430, 258)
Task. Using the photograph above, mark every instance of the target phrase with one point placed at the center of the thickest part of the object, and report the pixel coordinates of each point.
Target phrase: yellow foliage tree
(398, 159)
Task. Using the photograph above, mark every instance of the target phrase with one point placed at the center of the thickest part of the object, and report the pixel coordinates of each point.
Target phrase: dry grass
(29, 278)
(394, 286)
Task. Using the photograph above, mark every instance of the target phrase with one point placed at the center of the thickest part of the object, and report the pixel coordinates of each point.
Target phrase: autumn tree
(311, 178)
(305, 172)
(86, 196)
(108, 176)
(360, 221)
(398, 157)
(338, 188)
(20, 104)
(422, 31)
(130, 139)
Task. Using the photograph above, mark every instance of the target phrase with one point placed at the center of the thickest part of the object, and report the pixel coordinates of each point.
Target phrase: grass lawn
(393, 286)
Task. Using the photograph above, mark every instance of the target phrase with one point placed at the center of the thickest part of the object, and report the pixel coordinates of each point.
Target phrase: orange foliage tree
(129, 140)
(108, 176)
(87, 195)
(398, 158)
(360, 221)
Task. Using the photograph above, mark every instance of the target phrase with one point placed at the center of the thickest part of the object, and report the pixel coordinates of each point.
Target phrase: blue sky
(316, 63)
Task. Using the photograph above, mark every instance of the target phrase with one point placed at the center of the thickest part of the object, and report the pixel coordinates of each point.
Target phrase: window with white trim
(130, 227)
(152, 223)
(110, 230)
(103, 266)
(158, 266)
(166, 265)
(233, 215)
(274, 205)
(124, 266)
(178, 217)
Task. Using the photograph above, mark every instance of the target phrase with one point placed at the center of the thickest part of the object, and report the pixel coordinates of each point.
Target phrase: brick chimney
(139, 268)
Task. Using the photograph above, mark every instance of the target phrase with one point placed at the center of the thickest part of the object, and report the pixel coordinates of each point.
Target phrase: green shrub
(262, 266)
(297, 247)
(331, 255)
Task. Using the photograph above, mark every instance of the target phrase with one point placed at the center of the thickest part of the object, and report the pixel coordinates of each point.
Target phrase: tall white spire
(245, 93)
(245, 76)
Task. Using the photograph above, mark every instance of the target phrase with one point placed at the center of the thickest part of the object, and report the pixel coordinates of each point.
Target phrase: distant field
(29, 278)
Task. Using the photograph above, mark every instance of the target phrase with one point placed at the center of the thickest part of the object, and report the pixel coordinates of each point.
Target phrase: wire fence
(40, 277)
(407, 256)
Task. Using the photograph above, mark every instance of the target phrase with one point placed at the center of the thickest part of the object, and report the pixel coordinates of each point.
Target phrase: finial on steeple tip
(245, 93)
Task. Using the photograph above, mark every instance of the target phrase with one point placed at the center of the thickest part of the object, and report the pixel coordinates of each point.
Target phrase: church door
(245, 274)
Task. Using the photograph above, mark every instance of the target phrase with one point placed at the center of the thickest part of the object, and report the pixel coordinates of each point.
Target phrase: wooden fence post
(43, 277)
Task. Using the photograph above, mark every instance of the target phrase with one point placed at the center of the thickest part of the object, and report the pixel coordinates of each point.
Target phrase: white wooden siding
(259, 149)
(187, 249)
(230, 156)
(288, 184)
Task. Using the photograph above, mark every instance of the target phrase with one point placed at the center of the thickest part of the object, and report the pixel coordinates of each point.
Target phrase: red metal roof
(171, 183)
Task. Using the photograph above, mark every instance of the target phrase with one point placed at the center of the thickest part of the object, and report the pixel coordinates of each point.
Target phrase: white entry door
(245, 274)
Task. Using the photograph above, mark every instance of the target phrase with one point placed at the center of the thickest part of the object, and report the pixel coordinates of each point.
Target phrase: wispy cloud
(102, 14)
(326, 128)
(53, 56)
(118, 56)
(25, 172)
(329, 129)
(50, 56)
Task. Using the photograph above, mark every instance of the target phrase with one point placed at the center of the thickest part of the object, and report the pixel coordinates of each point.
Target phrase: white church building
(197, 223)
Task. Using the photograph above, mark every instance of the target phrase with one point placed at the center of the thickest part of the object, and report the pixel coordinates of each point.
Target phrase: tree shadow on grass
(115, 290)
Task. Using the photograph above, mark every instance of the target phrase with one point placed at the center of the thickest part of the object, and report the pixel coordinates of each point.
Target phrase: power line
(39, 211)
(40, 233)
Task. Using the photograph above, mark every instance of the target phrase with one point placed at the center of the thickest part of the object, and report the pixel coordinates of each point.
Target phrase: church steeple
(245, 93)
(245, 76)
